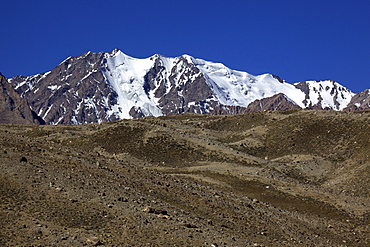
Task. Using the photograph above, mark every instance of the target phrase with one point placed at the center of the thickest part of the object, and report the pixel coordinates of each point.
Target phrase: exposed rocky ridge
(359, 102)
(278, 102)
(324, 90)
(101, 87)
(71, 93)
(185, 84)
(13, 109)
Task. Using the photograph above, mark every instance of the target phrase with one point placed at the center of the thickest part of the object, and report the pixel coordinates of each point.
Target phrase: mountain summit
(100, 87)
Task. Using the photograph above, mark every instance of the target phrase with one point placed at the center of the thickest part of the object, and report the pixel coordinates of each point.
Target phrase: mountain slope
(278, 102)
(360, 101)
(13, 109)
(99, 87)
(73, 92)
(294, 178)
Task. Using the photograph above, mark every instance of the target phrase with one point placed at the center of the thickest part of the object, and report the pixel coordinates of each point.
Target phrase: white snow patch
(47, 111)
(126, 75)
(238, 88)
(54, 87)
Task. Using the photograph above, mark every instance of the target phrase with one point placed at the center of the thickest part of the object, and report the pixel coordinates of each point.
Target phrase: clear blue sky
(296, 40)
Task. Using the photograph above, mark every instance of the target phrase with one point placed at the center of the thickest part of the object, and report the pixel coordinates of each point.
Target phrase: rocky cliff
(13, 109)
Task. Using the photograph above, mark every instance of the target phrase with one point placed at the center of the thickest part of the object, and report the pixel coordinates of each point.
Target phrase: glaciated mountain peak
(97, 87)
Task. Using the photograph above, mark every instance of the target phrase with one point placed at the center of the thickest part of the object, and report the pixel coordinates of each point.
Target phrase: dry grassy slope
(259, 179)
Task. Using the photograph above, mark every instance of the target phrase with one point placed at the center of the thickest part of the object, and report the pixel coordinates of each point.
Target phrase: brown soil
(296, 178)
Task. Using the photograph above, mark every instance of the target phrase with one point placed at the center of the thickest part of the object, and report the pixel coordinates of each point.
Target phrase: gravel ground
(298, 178)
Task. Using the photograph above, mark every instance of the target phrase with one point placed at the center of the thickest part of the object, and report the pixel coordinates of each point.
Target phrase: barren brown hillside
(294, 178)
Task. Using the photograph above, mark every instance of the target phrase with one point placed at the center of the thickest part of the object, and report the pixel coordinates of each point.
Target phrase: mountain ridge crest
(109, 86)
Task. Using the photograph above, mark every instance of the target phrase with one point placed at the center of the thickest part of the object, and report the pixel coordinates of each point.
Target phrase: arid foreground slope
(298, 178)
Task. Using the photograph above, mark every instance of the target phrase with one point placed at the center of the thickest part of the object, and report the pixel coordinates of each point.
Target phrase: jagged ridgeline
(101, 87)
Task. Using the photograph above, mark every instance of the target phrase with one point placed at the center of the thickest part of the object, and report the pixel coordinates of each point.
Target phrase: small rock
(148, 209)
(155, 211)
(23, 159)
(164, 216)
(159, 211)
(93, 240)
(190, 226)
(122, 199)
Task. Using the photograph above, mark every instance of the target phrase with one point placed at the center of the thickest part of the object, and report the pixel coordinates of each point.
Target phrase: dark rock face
(303, 86)
(278, 102)
(73, 92)
(13, 109)
(136, 112)
(187, 85)
(359, 102)
(278, 78)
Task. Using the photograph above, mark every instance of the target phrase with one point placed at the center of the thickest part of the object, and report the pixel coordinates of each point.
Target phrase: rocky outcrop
(324, 95)
(73, 92)
(359, 102)
(13, 109)
(175, 91)
(278, 102)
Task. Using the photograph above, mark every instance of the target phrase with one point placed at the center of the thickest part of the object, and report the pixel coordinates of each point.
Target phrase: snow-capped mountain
(97, 87)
